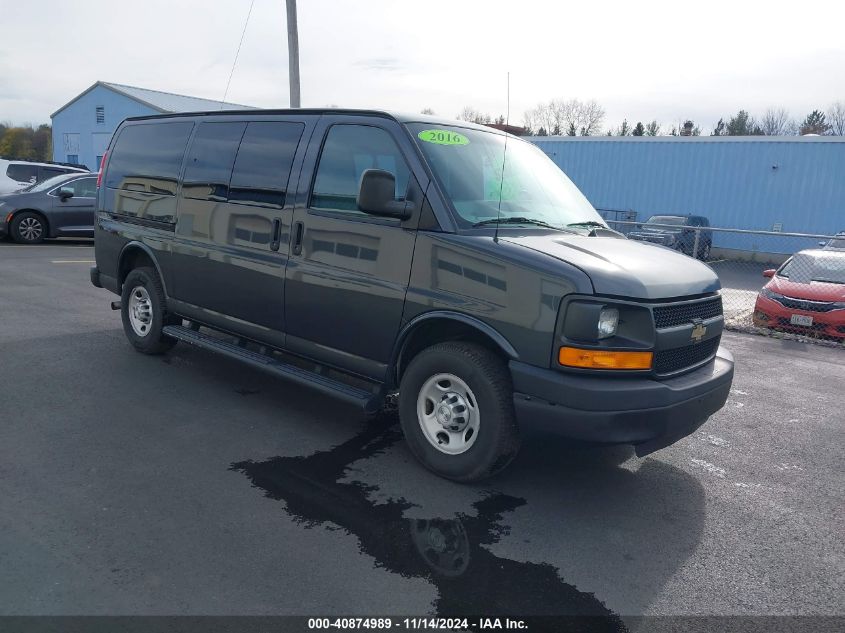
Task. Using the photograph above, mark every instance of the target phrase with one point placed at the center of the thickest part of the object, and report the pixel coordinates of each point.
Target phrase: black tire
(151, 340)
(497, 441)
(28, 228)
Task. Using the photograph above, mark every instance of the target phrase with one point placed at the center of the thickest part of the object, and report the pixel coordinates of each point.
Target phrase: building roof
(808, 138)
(164, 102)
(516, 130)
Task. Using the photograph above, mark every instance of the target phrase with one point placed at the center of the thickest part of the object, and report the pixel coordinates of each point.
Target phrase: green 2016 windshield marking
(443, 137)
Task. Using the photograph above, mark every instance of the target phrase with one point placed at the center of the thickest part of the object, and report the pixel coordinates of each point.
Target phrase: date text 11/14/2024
(442, 624)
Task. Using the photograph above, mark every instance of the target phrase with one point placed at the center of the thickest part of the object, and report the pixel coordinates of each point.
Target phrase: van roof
(400, 117)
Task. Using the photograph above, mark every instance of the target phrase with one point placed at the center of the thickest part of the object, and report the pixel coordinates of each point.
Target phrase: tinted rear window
(264, 161)
(22, 173)
(147, 157)
(50, 172)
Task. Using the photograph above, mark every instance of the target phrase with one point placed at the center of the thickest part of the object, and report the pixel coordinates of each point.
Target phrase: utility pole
(293, 54)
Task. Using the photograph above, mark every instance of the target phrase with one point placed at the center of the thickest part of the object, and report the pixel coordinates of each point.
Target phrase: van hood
(626, 268)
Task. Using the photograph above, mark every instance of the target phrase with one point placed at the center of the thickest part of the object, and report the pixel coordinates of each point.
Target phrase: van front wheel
(456, 411)
(142, 308)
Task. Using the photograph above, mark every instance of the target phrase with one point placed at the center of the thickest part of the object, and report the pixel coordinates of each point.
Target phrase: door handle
(298, 229)
(277, 233)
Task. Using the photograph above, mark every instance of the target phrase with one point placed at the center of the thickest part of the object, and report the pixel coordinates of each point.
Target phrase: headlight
(770, 295)
(608, 322)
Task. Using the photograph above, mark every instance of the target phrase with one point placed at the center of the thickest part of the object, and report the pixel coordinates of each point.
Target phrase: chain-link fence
(772, 282)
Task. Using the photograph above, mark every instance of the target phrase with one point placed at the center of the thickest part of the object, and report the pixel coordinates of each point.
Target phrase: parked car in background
(19, 174)
(62, 206)
(677, 232)
(805, 295)
(835, 244)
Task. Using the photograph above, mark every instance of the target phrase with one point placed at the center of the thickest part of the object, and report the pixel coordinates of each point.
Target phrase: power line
(238, 52)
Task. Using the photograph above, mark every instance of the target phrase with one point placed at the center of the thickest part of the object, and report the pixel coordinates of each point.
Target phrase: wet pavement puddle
(448, 552)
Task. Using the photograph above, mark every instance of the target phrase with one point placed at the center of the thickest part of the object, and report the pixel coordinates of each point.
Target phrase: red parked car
(806, 295)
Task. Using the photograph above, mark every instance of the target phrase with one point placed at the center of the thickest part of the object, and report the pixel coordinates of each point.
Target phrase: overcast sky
(641, 60)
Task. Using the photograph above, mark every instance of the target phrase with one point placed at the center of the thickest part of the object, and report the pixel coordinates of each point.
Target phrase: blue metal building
(789, 184)
(83, 126)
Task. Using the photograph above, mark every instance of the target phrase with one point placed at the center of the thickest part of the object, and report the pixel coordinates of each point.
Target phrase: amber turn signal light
(600, 359)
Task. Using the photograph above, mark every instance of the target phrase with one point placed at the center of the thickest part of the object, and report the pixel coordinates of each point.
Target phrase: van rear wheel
(456, 411)
(142, 308)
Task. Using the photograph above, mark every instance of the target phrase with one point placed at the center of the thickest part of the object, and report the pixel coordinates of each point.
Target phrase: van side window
(147, 157)
(210, 161)
(263, 164)
(348, 151)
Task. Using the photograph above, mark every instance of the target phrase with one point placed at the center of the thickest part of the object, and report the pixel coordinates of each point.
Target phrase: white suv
(17, 174)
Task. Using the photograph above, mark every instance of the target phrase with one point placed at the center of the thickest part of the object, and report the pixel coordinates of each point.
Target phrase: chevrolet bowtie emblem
(698, 332)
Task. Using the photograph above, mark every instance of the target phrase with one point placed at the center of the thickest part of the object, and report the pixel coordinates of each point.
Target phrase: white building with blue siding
(83, 126)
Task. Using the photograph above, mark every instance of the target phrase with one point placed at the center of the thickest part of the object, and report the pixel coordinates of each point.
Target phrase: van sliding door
(233, 224)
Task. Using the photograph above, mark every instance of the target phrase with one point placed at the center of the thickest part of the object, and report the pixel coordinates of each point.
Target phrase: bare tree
(572, 117)
(530, 122)
(426, 111)
(473, 116)
(836, 118)
(777, 122)
(592, 117)
(541, 117)
(652, 129)
(584, 118)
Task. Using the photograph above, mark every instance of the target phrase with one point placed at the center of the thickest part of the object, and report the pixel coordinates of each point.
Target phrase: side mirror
(376, 195)
(769, 272)
(65, 193)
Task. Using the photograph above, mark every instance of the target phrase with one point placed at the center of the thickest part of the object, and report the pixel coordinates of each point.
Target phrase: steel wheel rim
(448, 414)
(30, 229)
(140, 310)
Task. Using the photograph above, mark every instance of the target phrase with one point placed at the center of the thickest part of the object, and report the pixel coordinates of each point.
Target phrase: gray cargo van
(442, 267)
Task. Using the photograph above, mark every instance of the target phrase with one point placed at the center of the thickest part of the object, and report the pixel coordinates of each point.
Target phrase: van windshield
(468, 166)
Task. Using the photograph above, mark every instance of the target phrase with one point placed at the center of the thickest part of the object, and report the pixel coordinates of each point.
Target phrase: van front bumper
(645, 412)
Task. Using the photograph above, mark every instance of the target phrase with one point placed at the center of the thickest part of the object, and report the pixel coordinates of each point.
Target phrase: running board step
(366, 400)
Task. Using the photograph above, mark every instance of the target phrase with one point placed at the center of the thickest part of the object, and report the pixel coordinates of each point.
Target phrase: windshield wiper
(588, 223)
(516, 220)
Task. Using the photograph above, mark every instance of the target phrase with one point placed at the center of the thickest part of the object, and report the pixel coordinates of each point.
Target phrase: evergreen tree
(815, 123)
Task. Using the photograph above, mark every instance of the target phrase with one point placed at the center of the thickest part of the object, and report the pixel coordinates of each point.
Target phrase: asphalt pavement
(189, 484)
